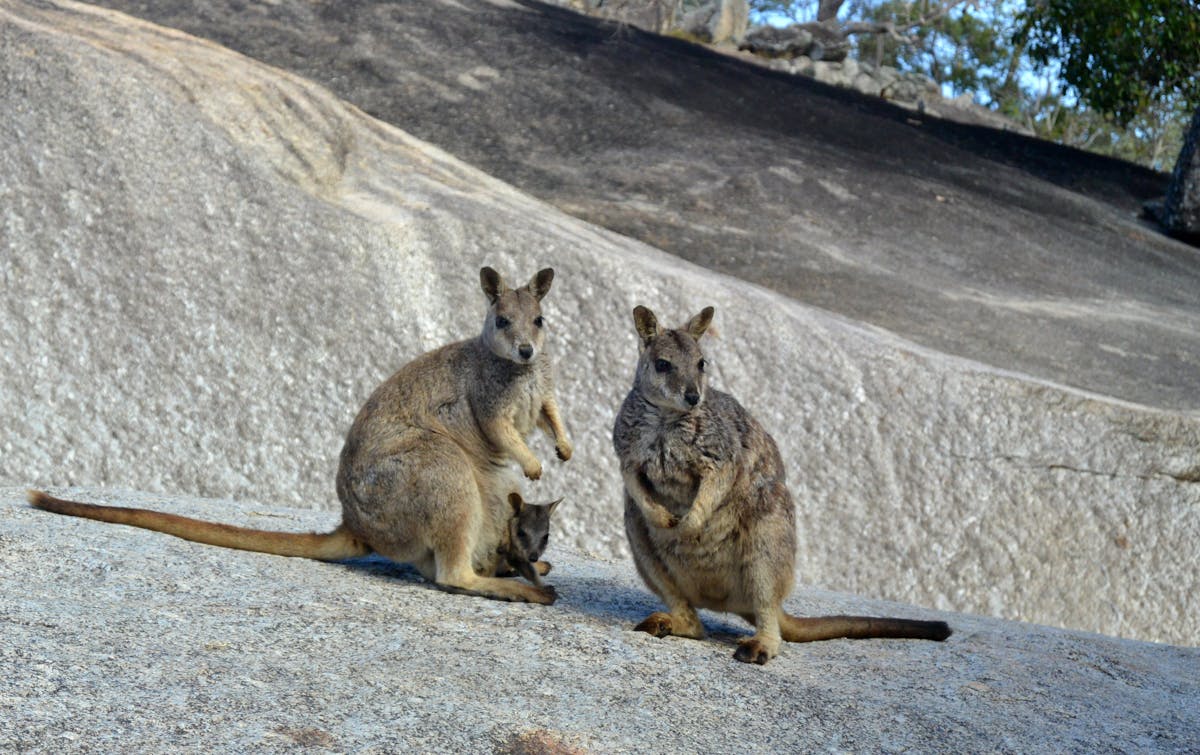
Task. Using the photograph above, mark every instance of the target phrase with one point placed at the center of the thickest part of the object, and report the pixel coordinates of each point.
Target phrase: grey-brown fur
(709, 517)
(528, 534)
(424, 475)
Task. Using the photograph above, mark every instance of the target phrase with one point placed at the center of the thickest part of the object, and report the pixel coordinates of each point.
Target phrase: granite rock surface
(122, 639)
(977, 242)
(209, 263)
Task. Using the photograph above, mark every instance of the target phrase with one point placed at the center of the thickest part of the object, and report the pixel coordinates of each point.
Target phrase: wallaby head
(671, 371)
(514, 329)
(529, 529)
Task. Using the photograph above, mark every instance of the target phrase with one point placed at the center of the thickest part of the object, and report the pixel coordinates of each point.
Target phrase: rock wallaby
(528, 535)
(424, 476)
(709, 517)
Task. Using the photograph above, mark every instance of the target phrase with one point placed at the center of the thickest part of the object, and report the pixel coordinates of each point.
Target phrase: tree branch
(902, 33)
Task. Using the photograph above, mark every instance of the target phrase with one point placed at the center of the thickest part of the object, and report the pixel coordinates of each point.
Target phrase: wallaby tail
(331, 546)
(797, 629)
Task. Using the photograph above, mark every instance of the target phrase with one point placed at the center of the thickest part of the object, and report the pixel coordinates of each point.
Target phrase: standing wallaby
(528, 534)
(424, 475)
(708, 513)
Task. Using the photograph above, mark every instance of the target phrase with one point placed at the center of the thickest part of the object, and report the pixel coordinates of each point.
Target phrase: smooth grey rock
(1015, 252)
(209, 263)
(117, 639)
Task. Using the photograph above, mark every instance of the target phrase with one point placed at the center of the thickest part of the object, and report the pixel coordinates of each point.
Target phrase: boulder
(681, 147)
(778, 41)
(122, 639)
(868, 84)
(817, 41)
(209, 263)
(718, 22)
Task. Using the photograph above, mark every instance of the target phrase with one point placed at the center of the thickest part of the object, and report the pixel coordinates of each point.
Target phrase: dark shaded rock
(209, 263)
(981, 243)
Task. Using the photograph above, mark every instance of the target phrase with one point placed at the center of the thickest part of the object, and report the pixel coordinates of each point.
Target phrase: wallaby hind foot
(708, 514)
(426, 467)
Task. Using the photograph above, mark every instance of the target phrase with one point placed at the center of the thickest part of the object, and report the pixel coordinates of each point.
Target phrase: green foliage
(1120, 55)
(1119, 77)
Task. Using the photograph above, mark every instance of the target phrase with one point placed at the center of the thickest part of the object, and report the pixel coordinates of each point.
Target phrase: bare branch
(902, 33)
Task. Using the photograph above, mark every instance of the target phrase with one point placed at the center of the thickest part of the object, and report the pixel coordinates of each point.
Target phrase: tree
(1008, 56)
(1124, 58)
(1120, 55)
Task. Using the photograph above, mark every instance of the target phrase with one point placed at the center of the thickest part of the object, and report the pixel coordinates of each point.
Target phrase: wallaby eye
(538, 321)
(662, 365)
(502, 322)
(701, 365)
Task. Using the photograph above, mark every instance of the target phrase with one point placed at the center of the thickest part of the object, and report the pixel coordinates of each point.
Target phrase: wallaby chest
(515, 394)
(672, 455)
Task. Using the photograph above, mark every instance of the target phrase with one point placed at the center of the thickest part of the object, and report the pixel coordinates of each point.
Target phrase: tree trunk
(827, 10)
(1181, 208)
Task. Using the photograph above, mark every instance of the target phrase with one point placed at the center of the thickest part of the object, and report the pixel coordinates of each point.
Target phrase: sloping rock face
(208, 264)
(1014, 252)
(122, 639)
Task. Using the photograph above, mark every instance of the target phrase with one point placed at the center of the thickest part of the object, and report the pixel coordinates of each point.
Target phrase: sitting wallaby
(528, 534)
(709, 517)
(424, 476)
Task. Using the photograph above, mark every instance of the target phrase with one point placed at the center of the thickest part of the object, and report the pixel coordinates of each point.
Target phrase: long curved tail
(331, 546)
(797, 629)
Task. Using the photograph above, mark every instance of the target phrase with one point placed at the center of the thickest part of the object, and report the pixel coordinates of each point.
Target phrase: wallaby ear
(551, 506)
(699, 324)
(492, 284)
(540, 285)
(514, 500)
(646, 324)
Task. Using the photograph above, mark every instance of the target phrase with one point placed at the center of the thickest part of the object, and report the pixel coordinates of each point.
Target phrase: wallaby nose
(692, 397)
(525, 350)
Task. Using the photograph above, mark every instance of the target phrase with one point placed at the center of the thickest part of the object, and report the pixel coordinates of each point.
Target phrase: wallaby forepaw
(660, 517)
(564, 450)
(543, 567)
(533, 471)
(686, 527)
(657, 624)
(751, 650)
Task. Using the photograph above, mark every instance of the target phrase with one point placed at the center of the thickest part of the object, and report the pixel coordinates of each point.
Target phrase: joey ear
(646, 324)
(514, 500)
(492, 284)
(699, 324)
(550, 507)
(539, 286)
